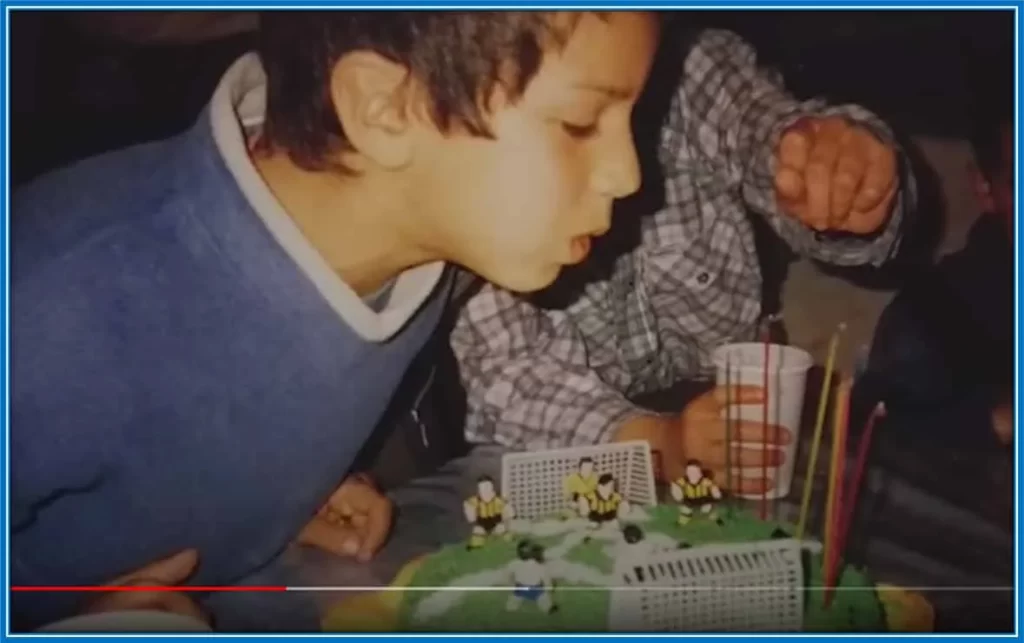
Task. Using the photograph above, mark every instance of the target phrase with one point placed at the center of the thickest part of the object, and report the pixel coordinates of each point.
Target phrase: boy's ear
(371, 98)
(981, 187)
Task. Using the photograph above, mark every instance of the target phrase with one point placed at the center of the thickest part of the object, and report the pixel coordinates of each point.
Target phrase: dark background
(86, 82)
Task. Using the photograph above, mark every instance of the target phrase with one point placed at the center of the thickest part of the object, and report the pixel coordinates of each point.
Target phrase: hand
(174, 570)
(355, 521)
(699, 433)
(835, 175)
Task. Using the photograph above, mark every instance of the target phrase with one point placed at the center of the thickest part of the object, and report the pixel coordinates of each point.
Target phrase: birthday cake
(576, 541)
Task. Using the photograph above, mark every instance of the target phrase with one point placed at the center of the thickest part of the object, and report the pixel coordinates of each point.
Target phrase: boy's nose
(618, 173)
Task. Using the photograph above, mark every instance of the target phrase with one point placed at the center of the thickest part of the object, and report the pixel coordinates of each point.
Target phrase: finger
(793, 151)
(737, 394)
(789, 188)
(870, 221)
(846, 182)
(340, 539)
(359, 520)
(751, 432)
(352, 484)
(354, 495)
(329, 514)
(345, 510)
(758, 457)
(742, 482)
(879, 176)
(172, 570)
(375, 530)
(867, 221)
(795, 146)
(821, 166)
(748, 455)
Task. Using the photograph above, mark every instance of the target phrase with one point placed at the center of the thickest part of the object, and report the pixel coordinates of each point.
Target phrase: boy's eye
(579, 131)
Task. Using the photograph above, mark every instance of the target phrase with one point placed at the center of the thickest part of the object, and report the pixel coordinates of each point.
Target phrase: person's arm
(726, 121)
(55, 457)
(527, 378)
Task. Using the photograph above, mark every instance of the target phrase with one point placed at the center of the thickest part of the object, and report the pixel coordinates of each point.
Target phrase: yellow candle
(819, 424)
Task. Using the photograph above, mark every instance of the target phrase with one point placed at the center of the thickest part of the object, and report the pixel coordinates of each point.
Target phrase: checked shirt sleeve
(527, 378)
(730, 113)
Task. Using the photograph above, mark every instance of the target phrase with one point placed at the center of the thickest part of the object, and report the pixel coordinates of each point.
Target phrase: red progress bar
(144, 588)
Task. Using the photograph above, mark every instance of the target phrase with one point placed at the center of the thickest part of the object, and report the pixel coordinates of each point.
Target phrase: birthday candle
(764, 427)
(819, 424)
(728, 424)
(860, 466)
(835, 498)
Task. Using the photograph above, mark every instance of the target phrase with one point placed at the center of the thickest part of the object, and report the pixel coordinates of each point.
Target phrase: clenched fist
(832, 174)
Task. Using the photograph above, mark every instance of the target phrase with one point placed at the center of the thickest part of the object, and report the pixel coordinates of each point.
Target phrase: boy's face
(517, 208)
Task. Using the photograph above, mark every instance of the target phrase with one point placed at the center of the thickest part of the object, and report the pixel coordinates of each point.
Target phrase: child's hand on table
(354, 522)
(699, 433)
(171, 571)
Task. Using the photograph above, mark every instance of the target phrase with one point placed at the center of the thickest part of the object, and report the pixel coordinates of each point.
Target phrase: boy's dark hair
(990, 83)
(459, 56)
(585, 460)
(605, 479)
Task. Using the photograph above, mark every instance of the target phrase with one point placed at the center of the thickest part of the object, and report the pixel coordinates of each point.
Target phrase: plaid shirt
(546, 377)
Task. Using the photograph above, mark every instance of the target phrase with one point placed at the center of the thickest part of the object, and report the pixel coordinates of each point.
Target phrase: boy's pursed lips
(579, 245)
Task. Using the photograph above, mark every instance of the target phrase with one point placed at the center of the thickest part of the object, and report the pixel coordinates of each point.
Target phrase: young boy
(205, 329)
(942, 355)
(735, 145)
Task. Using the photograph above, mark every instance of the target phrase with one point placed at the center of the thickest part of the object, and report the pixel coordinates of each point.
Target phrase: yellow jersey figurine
(581, 483)
(487, 512)
(604, 504)
(695, 490)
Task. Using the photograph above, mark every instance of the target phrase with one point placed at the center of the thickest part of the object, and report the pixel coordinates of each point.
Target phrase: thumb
(339, 539)
(172, 570)
(793, 153)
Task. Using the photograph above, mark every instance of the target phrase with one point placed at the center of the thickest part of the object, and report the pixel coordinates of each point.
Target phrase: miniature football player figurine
(580, 483)
(487, 512)
(695, 490)
(531, 579)
(604, 504)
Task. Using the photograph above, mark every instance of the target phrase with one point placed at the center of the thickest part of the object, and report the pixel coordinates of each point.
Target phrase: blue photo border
(8, 5)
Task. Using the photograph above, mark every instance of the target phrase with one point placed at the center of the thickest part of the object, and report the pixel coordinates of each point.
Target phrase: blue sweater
(183, 372)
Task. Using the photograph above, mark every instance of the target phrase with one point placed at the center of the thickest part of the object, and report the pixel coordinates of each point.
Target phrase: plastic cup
(787, 382)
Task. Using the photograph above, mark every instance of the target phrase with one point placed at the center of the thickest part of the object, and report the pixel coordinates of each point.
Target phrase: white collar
(238, 103)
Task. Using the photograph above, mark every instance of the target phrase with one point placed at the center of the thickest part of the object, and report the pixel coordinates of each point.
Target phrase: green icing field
(582, 610)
